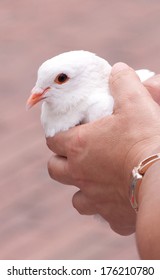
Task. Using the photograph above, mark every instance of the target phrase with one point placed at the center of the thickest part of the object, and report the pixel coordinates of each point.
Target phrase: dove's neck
(63, 104)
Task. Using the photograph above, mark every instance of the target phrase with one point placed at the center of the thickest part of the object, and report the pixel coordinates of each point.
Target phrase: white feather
(144, 74)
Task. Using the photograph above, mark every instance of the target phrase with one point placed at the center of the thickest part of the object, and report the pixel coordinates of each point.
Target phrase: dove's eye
(61, 78)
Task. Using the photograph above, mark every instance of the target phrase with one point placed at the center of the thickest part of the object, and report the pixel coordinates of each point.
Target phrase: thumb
(125, 86)
(153, 86)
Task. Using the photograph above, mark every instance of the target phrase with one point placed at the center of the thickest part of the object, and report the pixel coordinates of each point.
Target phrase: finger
(60, 142)
(126, 86)
(58, 170)
(55, 143)
(83, 205)
(153, 86)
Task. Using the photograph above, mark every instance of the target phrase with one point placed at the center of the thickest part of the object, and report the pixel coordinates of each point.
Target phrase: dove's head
(73, 75)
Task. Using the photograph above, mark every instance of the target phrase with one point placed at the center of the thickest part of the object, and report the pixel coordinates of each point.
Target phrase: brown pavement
(37, 220)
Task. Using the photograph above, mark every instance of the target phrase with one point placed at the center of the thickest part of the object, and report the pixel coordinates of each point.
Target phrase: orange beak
(36, 96)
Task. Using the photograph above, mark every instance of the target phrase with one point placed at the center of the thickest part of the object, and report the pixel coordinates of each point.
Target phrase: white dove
(74, 89)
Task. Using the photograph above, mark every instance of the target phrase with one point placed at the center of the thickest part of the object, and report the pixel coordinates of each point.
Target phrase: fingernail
(119, 67)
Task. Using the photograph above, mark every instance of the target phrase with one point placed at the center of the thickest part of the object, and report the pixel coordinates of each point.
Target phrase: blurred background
(37, 220)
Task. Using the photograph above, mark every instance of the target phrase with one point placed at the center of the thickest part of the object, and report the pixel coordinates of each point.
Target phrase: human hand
(98, 157)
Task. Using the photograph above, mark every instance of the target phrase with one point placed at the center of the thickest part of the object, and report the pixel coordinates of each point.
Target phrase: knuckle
(76, 203)
(49, 142)
(120, 77)
(83, 205)
(58, 170)
(78, 142)
(50, 168)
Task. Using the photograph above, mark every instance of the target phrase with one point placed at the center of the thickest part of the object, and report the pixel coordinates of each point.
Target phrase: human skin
(98, 158)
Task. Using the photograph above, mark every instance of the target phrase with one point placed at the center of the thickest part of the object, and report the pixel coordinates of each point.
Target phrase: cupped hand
(98, 157)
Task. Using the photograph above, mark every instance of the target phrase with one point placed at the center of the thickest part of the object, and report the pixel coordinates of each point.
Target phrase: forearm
(148, 217)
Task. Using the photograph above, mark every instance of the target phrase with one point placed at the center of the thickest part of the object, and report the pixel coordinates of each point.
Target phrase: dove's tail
(144, 74)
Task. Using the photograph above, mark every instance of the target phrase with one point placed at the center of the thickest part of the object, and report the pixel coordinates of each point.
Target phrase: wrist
(149, 189)
(135, 157)
(138, 174)
(138, 153)
(147, 225)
